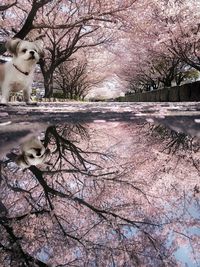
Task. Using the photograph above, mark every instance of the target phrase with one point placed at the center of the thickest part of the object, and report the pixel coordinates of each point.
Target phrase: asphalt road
(18, 120)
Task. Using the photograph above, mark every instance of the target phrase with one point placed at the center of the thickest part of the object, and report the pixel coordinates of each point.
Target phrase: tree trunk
(168, 83)
(48, 86)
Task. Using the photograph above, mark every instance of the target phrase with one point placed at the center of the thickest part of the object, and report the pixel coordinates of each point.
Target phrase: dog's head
(33, 153)
(24, 51)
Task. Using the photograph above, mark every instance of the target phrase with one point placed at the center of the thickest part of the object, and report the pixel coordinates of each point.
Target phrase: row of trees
(74, 79)
(162, 44)
(68, 29)
(155, 43)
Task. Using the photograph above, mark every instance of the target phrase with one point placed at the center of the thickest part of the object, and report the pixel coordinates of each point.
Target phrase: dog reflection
(33, 153)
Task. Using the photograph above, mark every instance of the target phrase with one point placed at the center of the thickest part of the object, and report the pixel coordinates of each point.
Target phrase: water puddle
(101, 193)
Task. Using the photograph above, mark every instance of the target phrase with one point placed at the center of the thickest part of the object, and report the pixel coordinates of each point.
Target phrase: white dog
(17, 74)
(33, 153)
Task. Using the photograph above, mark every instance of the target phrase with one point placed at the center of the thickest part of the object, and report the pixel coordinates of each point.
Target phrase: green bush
(59, 95)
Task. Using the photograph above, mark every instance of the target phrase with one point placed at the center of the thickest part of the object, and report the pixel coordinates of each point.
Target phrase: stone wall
(185, 92)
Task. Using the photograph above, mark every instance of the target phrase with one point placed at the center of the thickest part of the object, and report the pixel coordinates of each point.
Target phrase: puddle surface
(101, 193)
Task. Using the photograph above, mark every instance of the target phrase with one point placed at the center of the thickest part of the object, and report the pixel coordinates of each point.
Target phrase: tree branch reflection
(86, 207)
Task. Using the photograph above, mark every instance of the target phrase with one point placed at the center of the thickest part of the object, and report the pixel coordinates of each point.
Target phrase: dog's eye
(24, 50)
(31, 156)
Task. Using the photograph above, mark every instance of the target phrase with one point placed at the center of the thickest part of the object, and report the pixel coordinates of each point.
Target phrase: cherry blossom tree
(6, 5)
(23, 13)
(74, 79)
(84, 28)
(161, 34)
(180, 33)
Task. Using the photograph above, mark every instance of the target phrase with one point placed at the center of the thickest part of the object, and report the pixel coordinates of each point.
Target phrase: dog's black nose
(38, 152)
(32, 53)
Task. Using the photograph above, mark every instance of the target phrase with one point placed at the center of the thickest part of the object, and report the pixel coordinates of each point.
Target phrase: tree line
(69, 30)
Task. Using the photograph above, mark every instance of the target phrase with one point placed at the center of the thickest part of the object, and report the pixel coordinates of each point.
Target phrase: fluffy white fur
(17, 74)
(33, 153)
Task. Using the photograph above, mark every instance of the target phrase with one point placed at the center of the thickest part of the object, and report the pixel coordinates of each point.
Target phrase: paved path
(18, 120)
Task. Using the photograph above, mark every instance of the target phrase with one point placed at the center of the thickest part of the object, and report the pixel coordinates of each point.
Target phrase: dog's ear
(20, 161)
(12, 44)
(40, 46)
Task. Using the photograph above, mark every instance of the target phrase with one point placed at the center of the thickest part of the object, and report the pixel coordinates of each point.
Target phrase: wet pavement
(19, 120)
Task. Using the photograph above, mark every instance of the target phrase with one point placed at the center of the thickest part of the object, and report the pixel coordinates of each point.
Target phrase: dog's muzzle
(32, 53)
